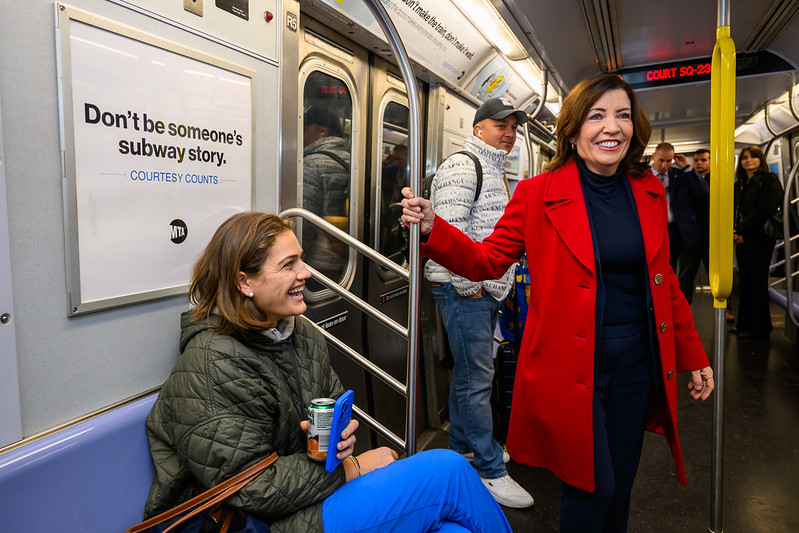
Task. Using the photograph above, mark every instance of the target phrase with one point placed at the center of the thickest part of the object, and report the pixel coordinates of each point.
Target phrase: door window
(393, 176)
(326, 171)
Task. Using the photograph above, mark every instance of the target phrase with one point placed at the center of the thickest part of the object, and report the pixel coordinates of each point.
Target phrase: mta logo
(179, 231)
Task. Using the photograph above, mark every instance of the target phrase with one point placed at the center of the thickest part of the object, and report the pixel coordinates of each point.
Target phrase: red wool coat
(551, 416)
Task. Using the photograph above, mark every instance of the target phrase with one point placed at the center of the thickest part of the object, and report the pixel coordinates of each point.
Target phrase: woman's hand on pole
(417, 210)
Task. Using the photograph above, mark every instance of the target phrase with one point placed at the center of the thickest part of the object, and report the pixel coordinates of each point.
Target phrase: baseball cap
(498, 108)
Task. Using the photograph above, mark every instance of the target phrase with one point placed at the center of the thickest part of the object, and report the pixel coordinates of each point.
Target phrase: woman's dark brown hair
(241, 244)
(575, 110)
(752, 151)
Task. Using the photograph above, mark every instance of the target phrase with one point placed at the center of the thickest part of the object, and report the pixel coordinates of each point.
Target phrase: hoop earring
(574, 147)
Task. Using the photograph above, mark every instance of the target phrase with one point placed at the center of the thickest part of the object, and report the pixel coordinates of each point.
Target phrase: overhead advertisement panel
(435, 33)
(498, 80)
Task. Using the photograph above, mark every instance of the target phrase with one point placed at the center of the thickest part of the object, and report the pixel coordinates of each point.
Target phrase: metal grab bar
(788, 204)
(532, 165)
(343, 236)
(788, 256)
(414, 160)
(398, 442)
(722, 141)
(365, 363)
(781, 262)
(404, 389)
(384, 319)
(767, 118)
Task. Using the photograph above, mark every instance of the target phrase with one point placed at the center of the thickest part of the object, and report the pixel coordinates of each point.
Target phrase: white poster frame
(240, 200)
(10, 412)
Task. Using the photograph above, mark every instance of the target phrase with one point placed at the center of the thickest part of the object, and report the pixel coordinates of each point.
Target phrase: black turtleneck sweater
(619, 245)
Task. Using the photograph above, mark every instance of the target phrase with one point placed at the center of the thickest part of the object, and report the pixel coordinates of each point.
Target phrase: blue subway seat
(92, 477)
(780, 297)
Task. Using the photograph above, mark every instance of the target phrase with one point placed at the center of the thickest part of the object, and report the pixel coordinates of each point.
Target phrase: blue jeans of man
(435, 490)
(470, 324)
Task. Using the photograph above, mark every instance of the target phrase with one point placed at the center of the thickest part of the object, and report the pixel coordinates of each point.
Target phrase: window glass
(326, 174)
(394, 175)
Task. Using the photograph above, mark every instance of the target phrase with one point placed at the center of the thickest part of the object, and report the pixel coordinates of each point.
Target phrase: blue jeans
(435, 490)
(470, 324)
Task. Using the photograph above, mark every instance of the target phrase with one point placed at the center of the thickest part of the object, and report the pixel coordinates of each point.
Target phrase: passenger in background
(684, 188)
(689, 262)
(325, 187)
(758, 195)
(249, 368)
(607, 325)
(394, 175)
(692, 257)
(469, 309)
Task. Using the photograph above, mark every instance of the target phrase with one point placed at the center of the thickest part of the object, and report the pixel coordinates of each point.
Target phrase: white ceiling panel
(643, 33)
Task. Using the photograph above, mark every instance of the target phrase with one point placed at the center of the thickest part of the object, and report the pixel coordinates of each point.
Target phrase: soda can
(320, 419)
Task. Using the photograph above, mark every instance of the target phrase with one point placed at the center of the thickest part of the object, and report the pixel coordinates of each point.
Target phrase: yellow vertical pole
(722, 141)
(722, 146)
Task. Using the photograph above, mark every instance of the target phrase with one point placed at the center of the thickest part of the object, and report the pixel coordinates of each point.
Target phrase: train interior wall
(68, 367)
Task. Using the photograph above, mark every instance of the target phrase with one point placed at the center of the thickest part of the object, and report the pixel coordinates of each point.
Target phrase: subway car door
(333, 85)
(386, 291)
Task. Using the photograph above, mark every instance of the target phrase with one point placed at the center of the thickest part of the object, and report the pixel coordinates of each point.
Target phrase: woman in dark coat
(607, 324)
(250, 365)
(758, 195)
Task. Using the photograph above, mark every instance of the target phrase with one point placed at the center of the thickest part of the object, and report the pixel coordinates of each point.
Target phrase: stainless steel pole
(717, 474)
(414, 151)
(720, 330)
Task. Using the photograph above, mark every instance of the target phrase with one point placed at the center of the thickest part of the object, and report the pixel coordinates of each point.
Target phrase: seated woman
(249, 368)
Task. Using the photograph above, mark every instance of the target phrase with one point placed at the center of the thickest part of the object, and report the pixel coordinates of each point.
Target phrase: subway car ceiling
(663, 49)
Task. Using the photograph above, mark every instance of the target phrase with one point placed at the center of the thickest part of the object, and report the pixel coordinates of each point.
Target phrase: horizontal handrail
(361, 360)
(384, 319)
(351, 241)
(401, 388)
(380, 428)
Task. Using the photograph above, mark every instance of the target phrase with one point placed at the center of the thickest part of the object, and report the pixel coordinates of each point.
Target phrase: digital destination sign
(696, 70)
(672, 73)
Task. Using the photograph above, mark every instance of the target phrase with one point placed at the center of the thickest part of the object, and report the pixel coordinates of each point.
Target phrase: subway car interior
(131, 129)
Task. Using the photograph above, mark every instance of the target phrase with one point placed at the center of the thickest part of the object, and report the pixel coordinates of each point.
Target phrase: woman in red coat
(607, 324)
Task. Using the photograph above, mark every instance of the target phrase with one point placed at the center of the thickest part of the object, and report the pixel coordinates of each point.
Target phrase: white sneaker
(508, 493)
(469, 456)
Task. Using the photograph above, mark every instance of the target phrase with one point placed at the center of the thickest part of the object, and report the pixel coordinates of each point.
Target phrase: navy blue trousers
(622, 389)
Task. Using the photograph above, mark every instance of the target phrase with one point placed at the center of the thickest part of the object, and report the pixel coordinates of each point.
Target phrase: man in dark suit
(690, 258)
(685, 189)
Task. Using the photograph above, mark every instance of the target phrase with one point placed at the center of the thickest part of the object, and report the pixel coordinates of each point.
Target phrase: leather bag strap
(207, 499)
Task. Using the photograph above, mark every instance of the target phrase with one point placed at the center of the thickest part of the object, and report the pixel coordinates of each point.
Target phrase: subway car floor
(761, 447)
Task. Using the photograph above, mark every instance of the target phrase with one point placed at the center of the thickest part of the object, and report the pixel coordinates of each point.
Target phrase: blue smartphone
(342, 412)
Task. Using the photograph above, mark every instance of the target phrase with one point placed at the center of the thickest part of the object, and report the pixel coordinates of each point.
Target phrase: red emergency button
(268, 16)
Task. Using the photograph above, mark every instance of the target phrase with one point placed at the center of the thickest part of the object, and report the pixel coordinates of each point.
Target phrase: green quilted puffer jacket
(229, 404)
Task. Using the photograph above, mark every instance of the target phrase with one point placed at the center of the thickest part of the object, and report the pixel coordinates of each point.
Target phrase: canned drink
(320, 419)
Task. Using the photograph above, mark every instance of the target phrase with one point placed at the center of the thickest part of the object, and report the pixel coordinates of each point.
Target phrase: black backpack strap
(427, 182)
(478, 168)
(334, 157)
